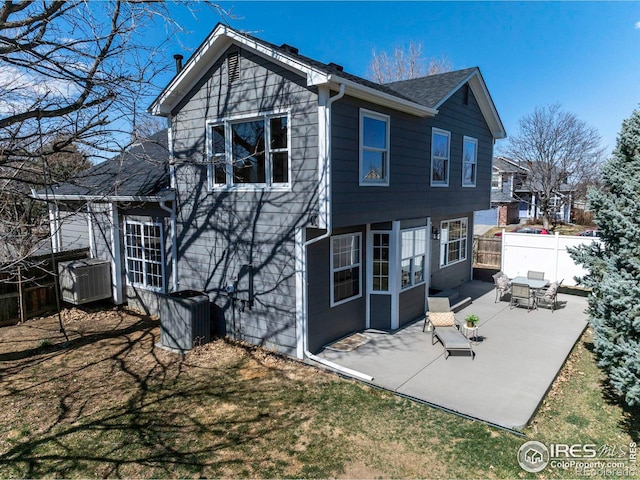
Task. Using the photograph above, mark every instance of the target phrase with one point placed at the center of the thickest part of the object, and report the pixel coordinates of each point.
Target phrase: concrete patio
(518, 356)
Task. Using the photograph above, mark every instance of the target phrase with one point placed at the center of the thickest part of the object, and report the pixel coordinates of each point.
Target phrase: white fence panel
(522, 252)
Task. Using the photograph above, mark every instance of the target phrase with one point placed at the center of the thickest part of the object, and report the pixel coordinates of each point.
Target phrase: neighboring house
(512, 198)
(307, 202)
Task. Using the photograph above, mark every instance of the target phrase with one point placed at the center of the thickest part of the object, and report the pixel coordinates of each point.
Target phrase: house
(513, 196)
(308, 203)
(105, 207)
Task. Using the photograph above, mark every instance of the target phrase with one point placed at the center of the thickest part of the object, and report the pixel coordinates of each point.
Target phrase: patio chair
(521, 292)
(549, 295)
(535, 275)
(444, 327)
(503, 285)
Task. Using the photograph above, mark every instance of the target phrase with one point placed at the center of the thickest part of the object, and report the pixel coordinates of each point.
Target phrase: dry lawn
(111, 404)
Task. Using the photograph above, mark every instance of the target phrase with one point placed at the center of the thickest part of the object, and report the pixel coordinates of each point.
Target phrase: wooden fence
(487, 251)
(28, 291)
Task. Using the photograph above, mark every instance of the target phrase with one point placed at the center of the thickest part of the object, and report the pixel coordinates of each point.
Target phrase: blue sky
(583, 55)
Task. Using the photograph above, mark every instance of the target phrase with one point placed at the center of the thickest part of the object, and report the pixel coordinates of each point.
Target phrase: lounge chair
(549, 295)
(444, 327)
(502, 283)
(521, 292)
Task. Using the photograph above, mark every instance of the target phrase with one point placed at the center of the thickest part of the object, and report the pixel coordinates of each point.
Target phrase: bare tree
(405, 63)
(560, 151)
(76, 77)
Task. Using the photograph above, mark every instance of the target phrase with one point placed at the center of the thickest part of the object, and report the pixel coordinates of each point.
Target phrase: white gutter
(105, 198)
(324, 166)
(381, 98)
(174, 242)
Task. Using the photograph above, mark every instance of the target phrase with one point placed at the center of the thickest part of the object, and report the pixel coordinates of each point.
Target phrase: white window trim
(387, 119)
(228, 122)
(144, 261)
(464, 257)
(424, 265)
(332, 270)
(435, 131)
(466, 139)
(499, 175)
(391, 270)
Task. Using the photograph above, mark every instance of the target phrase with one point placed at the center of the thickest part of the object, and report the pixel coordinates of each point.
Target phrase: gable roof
(317, 73)
(433, 90)
(139, 173)
(507, 165)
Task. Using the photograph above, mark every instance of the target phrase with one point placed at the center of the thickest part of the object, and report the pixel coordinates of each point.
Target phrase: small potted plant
(472, 320)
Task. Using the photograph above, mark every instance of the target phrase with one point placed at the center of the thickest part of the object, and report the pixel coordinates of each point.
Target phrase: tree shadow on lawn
(630, 422)
(142, 412)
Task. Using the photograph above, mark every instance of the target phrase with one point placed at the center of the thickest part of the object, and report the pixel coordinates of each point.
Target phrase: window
(453, 241)
(496, 180)
(144, 255)
(380, 262)
(469, 161)
(374, 148)
(250, 152)
(218, 154)
(345, 268)
(413, 256)
(440, 140)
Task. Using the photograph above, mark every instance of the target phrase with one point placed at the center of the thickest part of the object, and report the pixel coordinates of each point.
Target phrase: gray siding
(220, 231)
(412, 304)
(327, 323)
(409, 194)
(136, 298)
(74, 231)
(451, 276)
(380, 311)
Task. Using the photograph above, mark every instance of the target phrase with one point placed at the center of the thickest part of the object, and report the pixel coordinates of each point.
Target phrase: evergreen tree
(614, 266)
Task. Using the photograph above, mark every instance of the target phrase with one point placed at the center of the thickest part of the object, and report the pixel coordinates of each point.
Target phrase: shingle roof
(507, 165)
(498, 196)
(431, 90)
(330, 68)
(140, 171)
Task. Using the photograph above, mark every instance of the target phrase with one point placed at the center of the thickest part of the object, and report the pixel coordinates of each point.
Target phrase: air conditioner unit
(185, 320)
(84, 281)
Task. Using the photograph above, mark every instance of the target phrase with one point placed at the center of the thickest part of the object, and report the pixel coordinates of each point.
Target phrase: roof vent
(288, 48)
(335, 66)
(233, 66)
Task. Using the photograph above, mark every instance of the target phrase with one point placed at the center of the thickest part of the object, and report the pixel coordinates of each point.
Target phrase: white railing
(522, 252)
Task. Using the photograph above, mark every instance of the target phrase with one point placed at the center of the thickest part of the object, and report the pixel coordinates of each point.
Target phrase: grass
(112, 405)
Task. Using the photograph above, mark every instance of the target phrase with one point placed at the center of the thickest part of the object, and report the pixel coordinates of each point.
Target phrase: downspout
(163, 204)
(326, 183)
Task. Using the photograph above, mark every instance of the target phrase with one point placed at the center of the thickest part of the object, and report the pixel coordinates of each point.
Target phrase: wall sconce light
(435, 233)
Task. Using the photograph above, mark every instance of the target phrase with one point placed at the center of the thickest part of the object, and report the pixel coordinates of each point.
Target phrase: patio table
(532, 282)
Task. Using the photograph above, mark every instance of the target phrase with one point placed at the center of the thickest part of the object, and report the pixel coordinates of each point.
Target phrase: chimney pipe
(178, 58)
